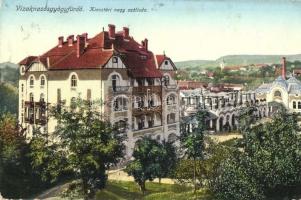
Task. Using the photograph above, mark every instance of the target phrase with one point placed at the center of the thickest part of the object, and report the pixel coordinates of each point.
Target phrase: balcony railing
(119, 89)
(171, 87)
(147, 89)
(147, 110)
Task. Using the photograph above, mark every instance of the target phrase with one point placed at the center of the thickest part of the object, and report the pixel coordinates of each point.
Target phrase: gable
(166, 65)
(36, 67)
(115, 62)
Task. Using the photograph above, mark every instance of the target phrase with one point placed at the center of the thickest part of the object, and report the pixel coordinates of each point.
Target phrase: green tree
(167, 159)
(9, 99)
(151, 160)
(267, 165)
(82, 145)
(17, 179)
(193, 143)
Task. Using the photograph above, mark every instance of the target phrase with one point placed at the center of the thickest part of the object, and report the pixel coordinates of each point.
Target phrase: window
(42, 81)
(73, 81)
(299, 104)
(277, 94)
(121, 125)
(120, 104)
(294, 104)
(115, 59)
(166, 80)
(31, 97)
(141, 123)
(22, 88)
(172, 100)
(166, 62)
(42, 98)
(31, 81)
(73, 103)
(150, 81)
(171, 118)
(140, 82)
(115, 82)
(143, 57)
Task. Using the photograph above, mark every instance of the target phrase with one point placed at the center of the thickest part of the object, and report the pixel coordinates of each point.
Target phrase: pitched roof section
(99, 49)
(161, 58)
(27, 61)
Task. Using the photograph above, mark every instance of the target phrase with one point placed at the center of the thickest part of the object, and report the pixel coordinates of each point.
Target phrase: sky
(184, 30)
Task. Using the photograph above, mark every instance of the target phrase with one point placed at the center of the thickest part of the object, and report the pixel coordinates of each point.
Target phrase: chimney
(70, 40)
(283, 68)
(80, 45)
(111, 31)
(126, 32)
(60, 41)
(48, 62)
(85, 35)
(146, 44)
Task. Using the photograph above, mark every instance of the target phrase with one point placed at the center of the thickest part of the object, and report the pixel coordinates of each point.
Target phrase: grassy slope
(117, 190)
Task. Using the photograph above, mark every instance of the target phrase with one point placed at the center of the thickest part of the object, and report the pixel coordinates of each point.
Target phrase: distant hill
(196, 64)
(231, 60)
(8, 64)
(256, 59)
(9, 73)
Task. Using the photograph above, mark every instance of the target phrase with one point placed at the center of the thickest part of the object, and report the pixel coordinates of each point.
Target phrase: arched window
(277, 94)
(73, 81)
(31, 81)
(42, 81)
(115, 82)
(171, 99)
(31, 97)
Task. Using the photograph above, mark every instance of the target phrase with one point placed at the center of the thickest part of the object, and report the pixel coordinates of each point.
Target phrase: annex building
(284, 89)
(136, 86)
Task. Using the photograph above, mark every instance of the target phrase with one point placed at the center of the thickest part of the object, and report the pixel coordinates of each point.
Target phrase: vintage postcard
(137, 99)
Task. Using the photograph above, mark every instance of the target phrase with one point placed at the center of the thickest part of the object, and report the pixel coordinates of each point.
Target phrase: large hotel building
(136, 87)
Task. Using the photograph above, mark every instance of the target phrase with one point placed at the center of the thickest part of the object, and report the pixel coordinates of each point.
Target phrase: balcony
(119, 89)
(147, 89)
(171, 87)
(147, 110)
(153, 130)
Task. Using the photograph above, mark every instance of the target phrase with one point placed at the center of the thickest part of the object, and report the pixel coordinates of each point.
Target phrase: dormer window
(73, 81)
(115, 59)
(143, 57)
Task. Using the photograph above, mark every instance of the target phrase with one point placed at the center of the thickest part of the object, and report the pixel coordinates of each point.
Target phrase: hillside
(231, 60)
(9, 98)
(9, 73)
(256, 59)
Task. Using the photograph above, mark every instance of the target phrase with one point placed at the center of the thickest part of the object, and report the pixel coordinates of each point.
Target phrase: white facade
(121, 96)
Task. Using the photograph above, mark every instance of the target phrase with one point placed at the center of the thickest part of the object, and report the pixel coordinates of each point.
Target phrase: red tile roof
(28, 60)
(139, 61)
